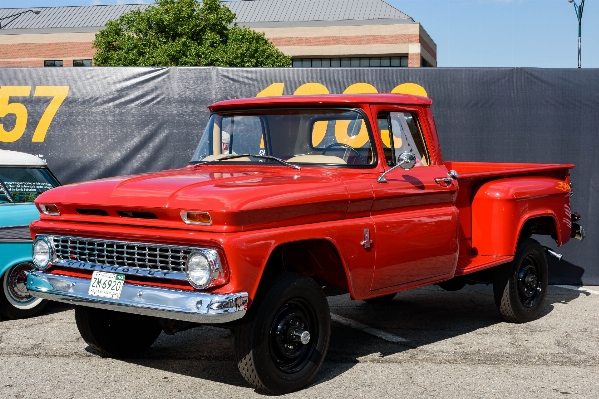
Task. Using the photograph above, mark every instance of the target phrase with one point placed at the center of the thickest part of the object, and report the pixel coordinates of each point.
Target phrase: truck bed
(472, 175)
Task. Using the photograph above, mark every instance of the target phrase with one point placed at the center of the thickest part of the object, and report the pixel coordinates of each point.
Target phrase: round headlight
(198, 270)
(42, 253)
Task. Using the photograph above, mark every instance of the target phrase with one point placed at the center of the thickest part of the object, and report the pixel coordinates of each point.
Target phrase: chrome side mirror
(406, 161)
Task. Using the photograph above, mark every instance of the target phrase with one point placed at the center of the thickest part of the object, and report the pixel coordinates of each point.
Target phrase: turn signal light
(201, 218)
(49, 209)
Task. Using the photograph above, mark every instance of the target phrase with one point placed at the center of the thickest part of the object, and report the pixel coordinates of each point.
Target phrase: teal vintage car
(22, 178)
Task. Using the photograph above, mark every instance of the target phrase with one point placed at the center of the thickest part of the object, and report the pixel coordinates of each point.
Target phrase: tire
(272, 355)
(455, 284)
(116, 334)
(15, 301)
(380, 299)
(520, 287)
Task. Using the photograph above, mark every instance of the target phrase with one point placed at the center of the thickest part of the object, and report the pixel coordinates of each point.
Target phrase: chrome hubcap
(16, 283)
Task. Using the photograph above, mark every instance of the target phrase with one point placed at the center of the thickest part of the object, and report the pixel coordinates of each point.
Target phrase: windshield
(326, 137)
(20, 184)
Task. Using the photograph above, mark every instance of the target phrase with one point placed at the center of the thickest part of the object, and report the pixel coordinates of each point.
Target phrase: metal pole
(579, 52)
(578, 10)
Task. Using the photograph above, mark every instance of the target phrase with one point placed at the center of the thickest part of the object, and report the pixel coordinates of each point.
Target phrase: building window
(425, 63)
(355, 62)
(82, 63)
(53, 63)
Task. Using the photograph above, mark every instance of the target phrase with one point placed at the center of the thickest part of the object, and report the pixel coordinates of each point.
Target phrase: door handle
(446, 180)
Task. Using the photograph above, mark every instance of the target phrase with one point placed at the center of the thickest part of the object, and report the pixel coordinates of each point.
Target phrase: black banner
(90, 123)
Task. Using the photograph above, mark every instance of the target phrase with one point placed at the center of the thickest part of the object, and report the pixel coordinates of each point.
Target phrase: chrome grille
(129, 255)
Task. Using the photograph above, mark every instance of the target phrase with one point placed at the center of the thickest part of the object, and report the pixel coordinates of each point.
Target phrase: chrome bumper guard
(195, 307)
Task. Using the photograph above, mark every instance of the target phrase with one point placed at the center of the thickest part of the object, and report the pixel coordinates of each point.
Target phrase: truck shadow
(50, 309)
(423, 316)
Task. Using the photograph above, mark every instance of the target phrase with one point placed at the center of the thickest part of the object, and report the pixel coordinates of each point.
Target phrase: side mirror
(406, 161)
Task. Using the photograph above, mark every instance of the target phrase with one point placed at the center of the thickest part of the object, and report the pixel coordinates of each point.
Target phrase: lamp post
(17, 15)
(579, 9)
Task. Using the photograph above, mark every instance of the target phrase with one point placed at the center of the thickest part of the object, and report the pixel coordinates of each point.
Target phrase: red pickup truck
(288, 200)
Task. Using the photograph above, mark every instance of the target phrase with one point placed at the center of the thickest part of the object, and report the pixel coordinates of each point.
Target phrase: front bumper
(195, 307)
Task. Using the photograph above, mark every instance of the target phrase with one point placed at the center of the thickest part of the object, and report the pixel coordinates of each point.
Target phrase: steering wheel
(347, 146)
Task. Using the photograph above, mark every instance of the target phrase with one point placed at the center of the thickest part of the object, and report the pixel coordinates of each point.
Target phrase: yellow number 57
(58, 94)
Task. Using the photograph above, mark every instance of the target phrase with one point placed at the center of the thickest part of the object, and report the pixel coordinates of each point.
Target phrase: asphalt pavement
(425, 343)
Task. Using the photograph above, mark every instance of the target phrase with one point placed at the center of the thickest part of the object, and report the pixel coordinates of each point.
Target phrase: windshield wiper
(233, 156)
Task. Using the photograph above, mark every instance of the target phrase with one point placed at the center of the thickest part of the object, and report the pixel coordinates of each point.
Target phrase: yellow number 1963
(58, 94)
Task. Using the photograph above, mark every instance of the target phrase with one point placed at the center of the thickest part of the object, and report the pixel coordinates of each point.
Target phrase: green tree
(184, 33)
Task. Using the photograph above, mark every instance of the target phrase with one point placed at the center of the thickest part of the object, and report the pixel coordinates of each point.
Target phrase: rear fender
(501, 209)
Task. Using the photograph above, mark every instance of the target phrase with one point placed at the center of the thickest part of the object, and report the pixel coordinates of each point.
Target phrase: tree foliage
(184, 33)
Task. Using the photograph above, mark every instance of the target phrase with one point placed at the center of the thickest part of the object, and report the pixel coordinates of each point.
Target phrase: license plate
(106, 285)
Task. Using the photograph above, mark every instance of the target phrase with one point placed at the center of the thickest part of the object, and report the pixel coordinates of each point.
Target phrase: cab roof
(326, 99)
(14, 158)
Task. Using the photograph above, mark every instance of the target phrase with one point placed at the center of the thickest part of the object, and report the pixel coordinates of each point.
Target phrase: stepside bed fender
(501, 209)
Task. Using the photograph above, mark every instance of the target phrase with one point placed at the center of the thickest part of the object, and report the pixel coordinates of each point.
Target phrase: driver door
(416, 221)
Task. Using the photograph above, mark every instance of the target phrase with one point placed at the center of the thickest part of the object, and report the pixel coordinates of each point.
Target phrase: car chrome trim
(407, 160)
(130, 258)
(367, 242)
(192, 306)
(577, 232)
(129, 271)
(51, 251)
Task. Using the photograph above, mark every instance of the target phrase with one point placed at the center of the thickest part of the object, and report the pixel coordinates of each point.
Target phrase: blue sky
(478, 33)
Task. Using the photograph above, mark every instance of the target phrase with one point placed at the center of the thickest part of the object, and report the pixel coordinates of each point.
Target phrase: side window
(407, 137)
(24, 184)
(3, 196)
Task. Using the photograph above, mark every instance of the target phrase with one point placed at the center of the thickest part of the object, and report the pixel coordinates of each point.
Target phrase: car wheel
(15, 300)
(116, 334)
(520, 287)
(282, 342)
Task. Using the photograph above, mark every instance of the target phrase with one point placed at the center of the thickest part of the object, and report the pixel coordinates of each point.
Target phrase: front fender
(13, 253)
(248, 252)
(500, 208)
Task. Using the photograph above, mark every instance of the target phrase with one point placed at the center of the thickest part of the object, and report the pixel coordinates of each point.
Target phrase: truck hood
(236, 200)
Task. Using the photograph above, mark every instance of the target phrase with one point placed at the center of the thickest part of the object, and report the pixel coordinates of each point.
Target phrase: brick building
(324, 33)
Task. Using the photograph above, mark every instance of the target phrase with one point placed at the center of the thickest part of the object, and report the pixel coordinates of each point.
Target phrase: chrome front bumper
(196, 307)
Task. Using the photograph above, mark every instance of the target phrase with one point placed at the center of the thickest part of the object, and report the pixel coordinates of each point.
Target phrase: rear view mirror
(406, 161)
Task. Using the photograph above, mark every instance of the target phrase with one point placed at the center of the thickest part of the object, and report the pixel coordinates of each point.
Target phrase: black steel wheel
(116, 334)
(15, 300)
(520, 287)
(290, 334)
(281, 343)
